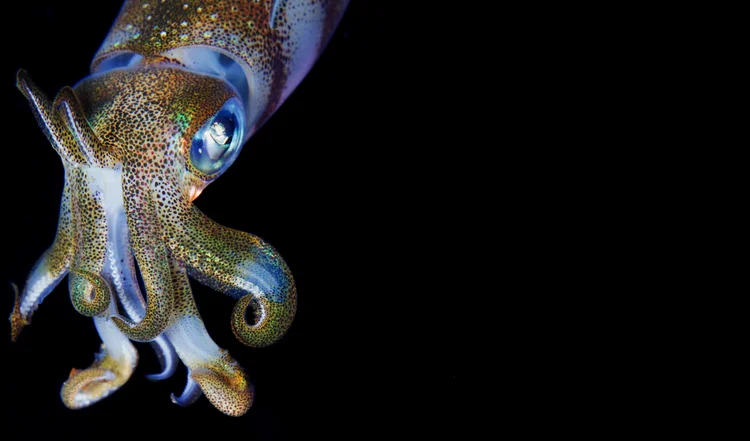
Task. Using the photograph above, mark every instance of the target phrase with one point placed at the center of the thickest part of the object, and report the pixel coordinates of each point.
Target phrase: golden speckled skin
(62, 140)
(153, 163)
(108, 372)
(271, 49)
(89, 292)
(56, 261)
(125, 136)
(97, 153)
(17, 321)
(265, 332)
(222, 379)
(89, 245)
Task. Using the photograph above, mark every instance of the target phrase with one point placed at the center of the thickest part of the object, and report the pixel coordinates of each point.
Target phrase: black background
(323, 181)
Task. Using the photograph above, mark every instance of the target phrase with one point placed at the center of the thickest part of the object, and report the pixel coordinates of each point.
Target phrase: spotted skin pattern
(51, 267)
(96, 152)
(87, 386)
(125, 135)
(89, 292)
(278, 56)
(220, 377)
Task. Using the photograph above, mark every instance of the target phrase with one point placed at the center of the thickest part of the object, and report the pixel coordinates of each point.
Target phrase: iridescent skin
(124, 135)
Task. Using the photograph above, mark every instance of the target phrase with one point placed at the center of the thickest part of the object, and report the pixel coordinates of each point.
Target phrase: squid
(174, 92)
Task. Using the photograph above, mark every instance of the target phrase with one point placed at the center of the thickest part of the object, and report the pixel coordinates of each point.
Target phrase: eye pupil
(219, 133)
(222, 129)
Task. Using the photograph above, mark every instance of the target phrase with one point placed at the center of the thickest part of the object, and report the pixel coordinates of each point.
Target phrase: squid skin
(241, 265)
(113, 365)
(274, 318)
(46, 116)
(152, 256)
(175, 90)
(211, 368)
(89, 292)
(49, 270)
(97, 153)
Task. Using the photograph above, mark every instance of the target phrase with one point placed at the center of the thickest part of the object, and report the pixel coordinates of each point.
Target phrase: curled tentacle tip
(17, 321)
(89, 292)
(108, 372)
(270, 323)
(85, 387)
(226, 400)
(226, 386)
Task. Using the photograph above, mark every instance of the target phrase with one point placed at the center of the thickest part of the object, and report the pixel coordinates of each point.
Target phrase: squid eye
(217, 143)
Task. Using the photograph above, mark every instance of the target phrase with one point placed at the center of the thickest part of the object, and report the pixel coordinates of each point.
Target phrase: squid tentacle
(219, 376)
(89, 292)
(76, 392)
(54, 128)
(112, 367)
(120, 271)
(97, 153)
(225, 384)
(189, 395)
(152, 257)
(167, 359)
(272, 320)
(241, 265)
(48, 271)
(17, 321)
(56, 261)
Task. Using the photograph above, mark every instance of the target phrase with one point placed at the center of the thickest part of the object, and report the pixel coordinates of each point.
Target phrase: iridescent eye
(216, 144)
